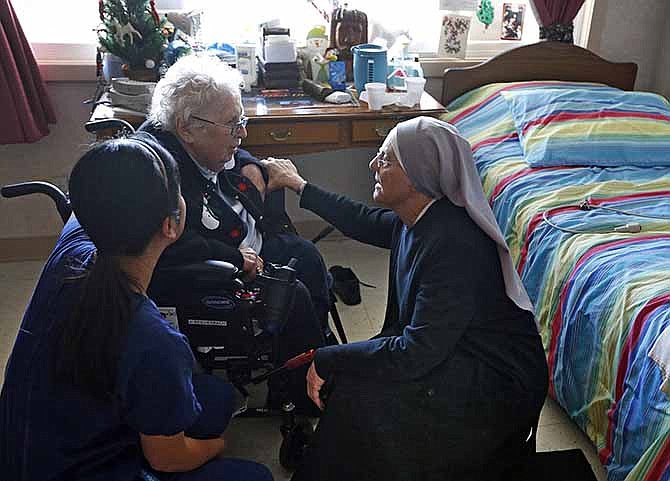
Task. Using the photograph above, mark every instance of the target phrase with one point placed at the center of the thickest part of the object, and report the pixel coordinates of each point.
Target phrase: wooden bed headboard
(539, 61)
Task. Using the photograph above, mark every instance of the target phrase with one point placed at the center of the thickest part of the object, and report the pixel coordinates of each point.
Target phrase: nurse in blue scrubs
(98, 385)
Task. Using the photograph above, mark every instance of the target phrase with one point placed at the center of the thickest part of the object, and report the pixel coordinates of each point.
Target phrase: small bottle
(414, 69)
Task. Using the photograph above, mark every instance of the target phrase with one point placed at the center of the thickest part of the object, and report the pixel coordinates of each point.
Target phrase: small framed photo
(512, 21)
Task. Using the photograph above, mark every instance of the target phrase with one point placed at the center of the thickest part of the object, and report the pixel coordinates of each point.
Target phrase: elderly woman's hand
(253, 263)
(282, 173)
(254, 174)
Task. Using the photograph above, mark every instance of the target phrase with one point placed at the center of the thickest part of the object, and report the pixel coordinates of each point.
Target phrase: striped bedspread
(602, 299)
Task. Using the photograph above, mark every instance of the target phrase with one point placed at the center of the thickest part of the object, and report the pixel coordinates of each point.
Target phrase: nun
(452, 386)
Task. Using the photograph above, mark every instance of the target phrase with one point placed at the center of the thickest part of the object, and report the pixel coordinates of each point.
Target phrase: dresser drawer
(371, 130)
(292, 133)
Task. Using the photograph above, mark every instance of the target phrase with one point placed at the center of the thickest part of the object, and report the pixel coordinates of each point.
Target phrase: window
(64, 32)
(59, 32)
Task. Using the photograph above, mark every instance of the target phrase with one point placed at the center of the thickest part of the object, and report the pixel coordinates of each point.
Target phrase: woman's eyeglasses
(234, 127)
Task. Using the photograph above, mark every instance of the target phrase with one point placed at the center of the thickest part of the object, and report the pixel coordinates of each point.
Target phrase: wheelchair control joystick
(276, 294)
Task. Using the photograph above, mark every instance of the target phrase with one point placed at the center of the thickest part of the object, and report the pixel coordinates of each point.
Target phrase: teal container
(369, 64)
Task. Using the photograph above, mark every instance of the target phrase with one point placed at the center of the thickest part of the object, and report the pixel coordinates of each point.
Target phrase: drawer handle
(382, 131)
(281, 135)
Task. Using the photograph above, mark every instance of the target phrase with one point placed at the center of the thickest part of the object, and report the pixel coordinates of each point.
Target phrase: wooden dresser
(283, 131)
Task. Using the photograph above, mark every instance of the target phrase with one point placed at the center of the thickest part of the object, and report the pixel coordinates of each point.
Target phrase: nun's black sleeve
(370, 225)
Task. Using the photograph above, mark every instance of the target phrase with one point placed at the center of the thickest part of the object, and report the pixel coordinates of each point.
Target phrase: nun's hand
(314, 385)
(282, 173)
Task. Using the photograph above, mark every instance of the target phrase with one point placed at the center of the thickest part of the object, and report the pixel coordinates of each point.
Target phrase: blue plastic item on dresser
(369, 64)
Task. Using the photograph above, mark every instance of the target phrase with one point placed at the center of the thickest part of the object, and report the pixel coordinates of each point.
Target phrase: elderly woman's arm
(252, 169)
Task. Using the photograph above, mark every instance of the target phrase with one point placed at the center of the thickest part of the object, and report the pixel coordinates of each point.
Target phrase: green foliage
(485, 12)
(132, 30)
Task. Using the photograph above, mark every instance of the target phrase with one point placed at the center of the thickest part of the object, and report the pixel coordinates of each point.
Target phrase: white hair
(195, 84)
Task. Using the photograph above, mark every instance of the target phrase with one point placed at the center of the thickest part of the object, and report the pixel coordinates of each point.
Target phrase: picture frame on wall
(512, 21)
(454, 35)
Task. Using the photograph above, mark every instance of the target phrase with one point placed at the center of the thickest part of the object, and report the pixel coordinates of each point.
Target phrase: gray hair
(195, 84)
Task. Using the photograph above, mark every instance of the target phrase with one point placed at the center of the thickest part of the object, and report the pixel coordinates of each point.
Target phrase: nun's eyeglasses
(381, 160)
(234, 127)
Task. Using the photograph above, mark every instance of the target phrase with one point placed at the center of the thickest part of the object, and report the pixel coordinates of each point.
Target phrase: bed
(602, 298)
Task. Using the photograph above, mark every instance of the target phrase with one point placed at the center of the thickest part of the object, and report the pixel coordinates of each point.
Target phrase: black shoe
(346, 285)
(307, 409)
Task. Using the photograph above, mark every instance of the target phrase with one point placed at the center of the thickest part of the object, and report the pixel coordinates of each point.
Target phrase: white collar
(423, 211)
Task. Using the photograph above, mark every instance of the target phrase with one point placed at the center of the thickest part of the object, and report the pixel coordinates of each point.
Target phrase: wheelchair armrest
(108, 124)
(217, 271)
(39, 187)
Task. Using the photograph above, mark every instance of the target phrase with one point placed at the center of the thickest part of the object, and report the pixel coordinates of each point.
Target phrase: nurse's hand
(282, 173)
(314, 385)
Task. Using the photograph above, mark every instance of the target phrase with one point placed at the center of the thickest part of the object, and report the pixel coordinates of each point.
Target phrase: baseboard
(26, 248)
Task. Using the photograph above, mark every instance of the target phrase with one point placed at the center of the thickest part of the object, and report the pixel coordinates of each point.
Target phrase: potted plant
(133, 31)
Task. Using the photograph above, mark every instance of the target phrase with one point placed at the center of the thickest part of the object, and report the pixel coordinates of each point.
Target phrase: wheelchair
(231, 327)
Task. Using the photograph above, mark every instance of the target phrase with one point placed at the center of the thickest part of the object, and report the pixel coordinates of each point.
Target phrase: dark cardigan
(199, 243)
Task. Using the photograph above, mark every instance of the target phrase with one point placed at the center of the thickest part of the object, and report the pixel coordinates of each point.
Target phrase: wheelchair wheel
(296, 440)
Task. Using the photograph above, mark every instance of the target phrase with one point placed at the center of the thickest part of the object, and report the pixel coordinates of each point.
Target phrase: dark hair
(121, 192)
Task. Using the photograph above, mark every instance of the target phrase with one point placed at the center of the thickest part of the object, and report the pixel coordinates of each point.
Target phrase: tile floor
(259, 439)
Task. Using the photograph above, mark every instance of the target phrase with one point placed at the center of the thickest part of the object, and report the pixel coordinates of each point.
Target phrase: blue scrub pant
(217, 401)
(218, 469)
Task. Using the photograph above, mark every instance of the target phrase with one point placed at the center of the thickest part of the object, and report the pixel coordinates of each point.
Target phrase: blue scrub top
(51, 432)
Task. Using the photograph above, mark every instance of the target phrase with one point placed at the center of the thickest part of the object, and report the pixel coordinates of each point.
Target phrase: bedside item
(319, 68)
(369, 65)
(315, 89)
(126, 86)
(111, 67)
(246, 64)
(347, 28)
(338, 98)
(337, 75)
(131, 94)
(279, 75)
(317, 40)
(279, 49)
(376, 95)
(415, 86)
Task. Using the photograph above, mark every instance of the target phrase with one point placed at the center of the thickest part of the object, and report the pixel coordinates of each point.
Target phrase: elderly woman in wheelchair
(197, 114)
(98, 385)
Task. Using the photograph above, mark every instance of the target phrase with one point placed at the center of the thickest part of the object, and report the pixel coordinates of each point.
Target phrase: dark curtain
(25, 108)
(555, 18)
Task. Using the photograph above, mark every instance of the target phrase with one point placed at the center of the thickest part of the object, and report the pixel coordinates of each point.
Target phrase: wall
(50, 159)
(662, 82)
(622, 30)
